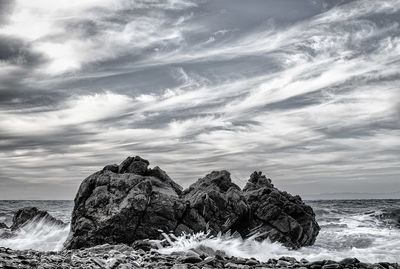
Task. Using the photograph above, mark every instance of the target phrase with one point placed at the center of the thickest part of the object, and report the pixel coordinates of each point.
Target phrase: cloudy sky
(307, 91)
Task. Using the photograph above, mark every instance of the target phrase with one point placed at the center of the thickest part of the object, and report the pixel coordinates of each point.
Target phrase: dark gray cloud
(16, 51)
(306, 91)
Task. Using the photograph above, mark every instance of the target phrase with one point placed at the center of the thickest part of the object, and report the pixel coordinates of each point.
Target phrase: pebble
(252, 262)
(234, 265)
(331, 266)
(180, 266)
(192, 259)
(282, 263)
(349, 261)
(125, 257)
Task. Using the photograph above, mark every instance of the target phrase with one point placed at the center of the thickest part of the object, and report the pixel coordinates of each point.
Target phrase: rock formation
(124, 203)
(129, 202)
(27, 214)
(215, 204)
(279, 215)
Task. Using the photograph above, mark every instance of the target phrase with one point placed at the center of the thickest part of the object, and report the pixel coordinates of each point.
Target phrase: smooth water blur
(366, 229)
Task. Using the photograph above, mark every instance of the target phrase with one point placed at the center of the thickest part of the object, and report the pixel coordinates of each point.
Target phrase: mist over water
(366, 229)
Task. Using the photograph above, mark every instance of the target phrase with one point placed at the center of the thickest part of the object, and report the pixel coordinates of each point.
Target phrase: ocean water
(366, 229)
(38, 235)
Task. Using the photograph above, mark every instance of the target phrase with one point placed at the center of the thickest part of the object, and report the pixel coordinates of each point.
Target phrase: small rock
(191, 259)
(252, 262)
(206, 260)
(349, 261)
(283, 263)
(234, 265)
(304, 260)
(241, 261)
(316, 266)
(145, 245)
(377, 266)
(180, 266)
(331, 266)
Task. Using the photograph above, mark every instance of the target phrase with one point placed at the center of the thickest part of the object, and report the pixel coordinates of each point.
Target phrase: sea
(366, 229)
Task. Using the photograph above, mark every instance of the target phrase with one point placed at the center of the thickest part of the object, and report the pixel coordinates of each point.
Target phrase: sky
(307, 91)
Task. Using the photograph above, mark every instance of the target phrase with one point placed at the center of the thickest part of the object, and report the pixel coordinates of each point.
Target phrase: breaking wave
(367, 230)
(38, 234)
(374, 248)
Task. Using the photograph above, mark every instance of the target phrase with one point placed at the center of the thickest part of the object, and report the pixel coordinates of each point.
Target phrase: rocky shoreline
(125, 257)
(122, 213)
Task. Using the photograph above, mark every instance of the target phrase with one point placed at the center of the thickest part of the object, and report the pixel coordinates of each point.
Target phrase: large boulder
(214, 204)
(121, 204)
(130, 202)
(29, 214)
(277, 215)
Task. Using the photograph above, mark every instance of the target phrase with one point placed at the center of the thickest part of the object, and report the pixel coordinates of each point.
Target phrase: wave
(366, 248)
(362, 236)
(38, 234)
(389, 216)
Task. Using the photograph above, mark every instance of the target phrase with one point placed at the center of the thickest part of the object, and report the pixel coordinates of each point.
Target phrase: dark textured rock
(123, 206)
(27, 214)
(145, 245)
(129, 202)
(3, 226)
(216, 201)
(278, 215)
(191, 257)
(135, 165)
(331, 266)
(349, 261)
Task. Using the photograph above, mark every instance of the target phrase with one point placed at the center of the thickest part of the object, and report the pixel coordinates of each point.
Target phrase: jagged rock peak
(216, 179)
(258, 180)
(135, 165)
(139, 166)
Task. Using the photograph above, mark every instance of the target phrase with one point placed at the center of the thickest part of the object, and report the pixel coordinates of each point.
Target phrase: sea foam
(38, 234)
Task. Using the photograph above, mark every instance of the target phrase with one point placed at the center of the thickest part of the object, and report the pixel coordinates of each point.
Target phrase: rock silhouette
(130, 202)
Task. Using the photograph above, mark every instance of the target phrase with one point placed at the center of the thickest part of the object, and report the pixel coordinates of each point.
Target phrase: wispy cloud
(76, 111)
(313, 101)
